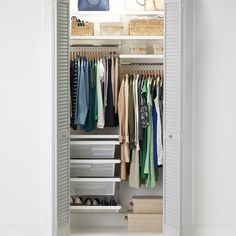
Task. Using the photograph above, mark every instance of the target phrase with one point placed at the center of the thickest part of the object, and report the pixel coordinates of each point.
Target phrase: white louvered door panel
(173, 117)
(63, 110)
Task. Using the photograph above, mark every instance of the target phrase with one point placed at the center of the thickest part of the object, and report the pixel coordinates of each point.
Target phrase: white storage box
(93, 186)
(158, 48)
(111, 29)
(93, 168)
(138, 48)
(92, 151)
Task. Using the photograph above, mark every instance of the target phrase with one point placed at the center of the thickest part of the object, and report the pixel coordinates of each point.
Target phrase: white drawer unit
(93, 149)
(93, 186)
(93, 168)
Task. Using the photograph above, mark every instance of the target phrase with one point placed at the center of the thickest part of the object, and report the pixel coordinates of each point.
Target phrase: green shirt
(149, 164)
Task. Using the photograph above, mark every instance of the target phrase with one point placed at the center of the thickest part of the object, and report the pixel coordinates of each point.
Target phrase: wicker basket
(146, 27)
(86, 30)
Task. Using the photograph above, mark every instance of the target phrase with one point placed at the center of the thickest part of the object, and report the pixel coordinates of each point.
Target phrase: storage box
(152, 205)
(138, 48)
(146, 27)
(86, 30)
(95, 188)
(92, 170)
(92, 151)
(158, 48)
(111, 29)
(145, 222)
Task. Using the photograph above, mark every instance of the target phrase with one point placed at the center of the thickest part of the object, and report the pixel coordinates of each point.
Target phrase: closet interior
(116, 129)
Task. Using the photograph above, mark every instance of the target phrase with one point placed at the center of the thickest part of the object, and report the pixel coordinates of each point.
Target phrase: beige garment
(134, 175)
(121, 113)
(116, 83)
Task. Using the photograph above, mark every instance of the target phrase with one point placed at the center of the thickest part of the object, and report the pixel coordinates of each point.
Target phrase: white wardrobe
(28, 173)
(67, 221)
(35, 127)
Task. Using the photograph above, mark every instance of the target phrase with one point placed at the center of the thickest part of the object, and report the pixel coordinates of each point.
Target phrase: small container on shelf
(146, 27)
(111, 29)
(138, 48)
(158, 48)
(79, 28)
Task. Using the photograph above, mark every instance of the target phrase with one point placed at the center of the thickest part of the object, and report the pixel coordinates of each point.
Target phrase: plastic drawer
(93, 187)
(92, 170)
(92, 151)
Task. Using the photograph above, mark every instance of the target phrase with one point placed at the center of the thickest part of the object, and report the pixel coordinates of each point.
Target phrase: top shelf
(112, 13)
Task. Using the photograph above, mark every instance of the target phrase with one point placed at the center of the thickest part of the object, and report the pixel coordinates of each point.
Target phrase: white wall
(25, 120)
(214, 175)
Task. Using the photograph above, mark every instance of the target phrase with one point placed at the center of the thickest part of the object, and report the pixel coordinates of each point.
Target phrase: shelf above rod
(94, 142)
(115, 13)
(73, 180)
(140, 56)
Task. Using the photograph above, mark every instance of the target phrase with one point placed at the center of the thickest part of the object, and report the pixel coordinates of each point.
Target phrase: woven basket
(142, 27)
(86, 30)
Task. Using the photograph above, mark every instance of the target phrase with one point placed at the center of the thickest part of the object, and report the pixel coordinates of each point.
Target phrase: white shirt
(100, 80)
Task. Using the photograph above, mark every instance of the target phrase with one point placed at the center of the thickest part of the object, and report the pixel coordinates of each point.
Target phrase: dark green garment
(90, 123)
(131, 120)
(143, 155)
(144, 148)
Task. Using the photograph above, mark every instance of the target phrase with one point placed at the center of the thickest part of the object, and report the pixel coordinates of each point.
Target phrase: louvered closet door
(63, 109)
(173, 111)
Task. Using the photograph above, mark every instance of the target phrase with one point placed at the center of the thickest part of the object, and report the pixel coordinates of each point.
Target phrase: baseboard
(213, 231)
(24, 231)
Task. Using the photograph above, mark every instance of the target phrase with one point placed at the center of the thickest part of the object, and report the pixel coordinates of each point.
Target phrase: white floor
(109, 231)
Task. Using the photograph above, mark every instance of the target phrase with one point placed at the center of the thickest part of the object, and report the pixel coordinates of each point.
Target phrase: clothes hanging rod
(94, 46)
(142, 64)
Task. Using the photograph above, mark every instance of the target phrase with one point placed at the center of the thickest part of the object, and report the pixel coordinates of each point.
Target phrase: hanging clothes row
(94, 85)
(140, 109)
(94, 51)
